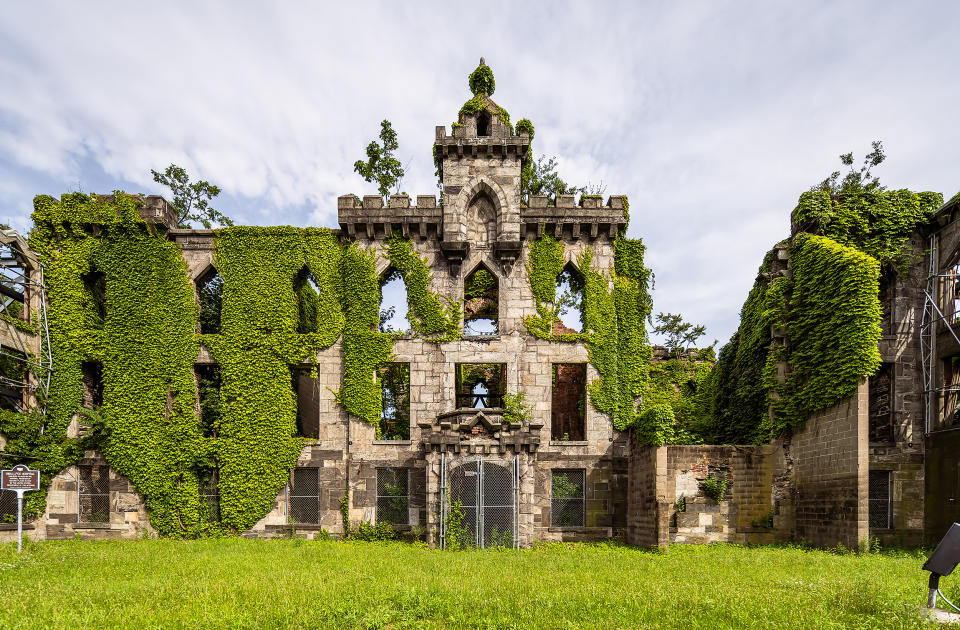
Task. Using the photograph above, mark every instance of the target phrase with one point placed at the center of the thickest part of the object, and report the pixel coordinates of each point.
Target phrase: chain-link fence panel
(481, 507)
(94, 494)
(305, 496)
(393, 496)
(567, 498)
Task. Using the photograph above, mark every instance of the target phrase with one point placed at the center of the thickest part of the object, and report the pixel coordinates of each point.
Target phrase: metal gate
(479, 502)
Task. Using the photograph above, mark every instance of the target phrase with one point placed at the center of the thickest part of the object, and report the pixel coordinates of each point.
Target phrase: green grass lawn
(304, 584)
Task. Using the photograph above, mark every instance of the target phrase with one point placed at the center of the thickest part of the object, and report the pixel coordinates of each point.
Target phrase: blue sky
(712, 116)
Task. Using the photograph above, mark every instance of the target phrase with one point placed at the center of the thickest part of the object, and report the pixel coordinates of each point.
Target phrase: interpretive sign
(20, 479)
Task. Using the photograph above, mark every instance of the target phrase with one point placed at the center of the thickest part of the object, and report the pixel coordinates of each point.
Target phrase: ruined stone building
(336, 421)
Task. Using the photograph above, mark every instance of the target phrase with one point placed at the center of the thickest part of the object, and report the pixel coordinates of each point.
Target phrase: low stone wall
(667, 503)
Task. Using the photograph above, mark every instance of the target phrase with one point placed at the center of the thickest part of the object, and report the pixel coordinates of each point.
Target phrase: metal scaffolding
(932, 315)
(25, 355)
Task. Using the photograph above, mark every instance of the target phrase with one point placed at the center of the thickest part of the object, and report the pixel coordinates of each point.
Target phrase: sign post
(20, 479)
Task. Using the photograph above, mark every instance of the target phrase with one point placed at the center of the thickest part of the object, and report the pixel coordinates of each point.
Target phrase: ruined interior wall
(830, 474)
(648, 514)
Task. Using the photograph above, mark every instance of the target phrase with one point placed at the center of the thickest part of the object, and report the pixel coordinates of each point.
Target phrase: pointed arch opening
(481, 302)
(393, 302)
(569, 304)
(307, 294)
(210, 296)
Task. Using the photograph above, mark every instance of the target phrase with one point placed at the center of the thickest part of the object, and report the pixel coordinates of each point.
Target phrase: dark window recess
(481, 385)
(208, 396)
(881, 404)
(481, 302)
(210, 294)
(567, 504)
(208, 480)
(881, 507)
(395, 390)
(887, 295)
(94, 494)
(305, 495)
(393, 496)
(95, 297)
(950, 393)
(8, 506)
(92, 374)
(308, 300)
(14, 377)
(569, 402)
(306, 389)
(483, 123)
(569, 303)
(393, 302)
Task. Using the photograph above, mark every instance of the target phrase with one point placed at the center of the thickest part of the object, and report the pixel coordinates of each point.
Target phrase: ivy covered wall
(147, 340)
(828, 307)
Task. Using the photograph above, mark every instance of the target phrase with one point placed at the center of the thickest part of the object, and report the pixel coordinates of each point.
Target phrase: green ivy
(614, 320)
(833, 322)
(271, 319)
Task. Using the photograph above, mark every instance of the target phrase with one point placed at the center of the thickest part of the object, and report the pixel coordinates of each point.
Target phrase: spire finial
(482, 63)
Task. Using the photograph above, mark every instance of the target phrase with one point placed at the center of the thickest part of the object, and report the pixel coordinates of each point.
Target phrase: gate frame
(514, 468)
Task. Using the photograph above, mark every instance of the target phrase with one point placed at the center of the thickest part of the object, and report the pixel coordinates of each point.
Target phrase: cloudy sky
(712, 116)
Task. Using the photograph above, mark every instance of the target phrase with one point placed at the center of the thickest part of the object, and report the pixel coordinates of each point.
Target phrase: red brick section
(566, 413)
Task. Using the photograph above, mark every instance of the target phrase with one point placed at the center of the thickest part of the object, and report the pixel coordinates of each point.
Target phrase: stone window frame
(497, 322)
(556, 511)
(383, 498)
(409, 413)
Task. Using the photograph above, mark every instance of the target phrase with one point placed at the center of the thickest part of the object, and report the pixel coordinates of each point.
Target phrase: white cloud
(712, 116)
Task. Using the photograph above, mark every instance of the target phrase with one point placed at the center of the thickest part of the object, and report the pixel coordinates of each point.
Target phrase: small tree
(855, 180)
(680, 334)
(191, 199)
(381, 166)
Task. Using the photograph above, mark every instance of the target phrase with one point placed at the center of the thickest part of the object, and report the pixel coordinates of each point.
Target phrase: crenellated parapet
(372, 219)
(565, 220)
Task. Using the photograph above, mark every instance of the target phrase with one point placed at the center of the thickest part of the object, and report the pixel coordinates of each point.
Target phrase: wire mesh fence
(393, 496)
(567, 498)
(8, 506)
(878, 491)
(305, 495)
(94, 494)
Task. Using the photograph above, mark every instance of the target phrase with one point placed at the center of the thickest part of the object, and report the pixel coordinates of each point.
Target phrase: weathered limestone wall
(831, 466)
(127, 513)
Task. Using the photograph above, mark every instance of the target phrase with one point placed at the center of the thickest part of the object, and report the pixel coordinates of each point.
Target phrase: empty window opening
(481, 302)
(93, 492)
(567, 505)
(208, 398)
(14, 379)
(951, 293)
(569, 301)
(881, 508)
(393, 302)
(95, 297)
(305, 495)
(887, 295)
(208, 480)
(13, 283)
(880, 404)
(483, 123)
(307, 301)
(569, 402)
(92, 374)
(210, 294)
(949, 393)
(481, 385)
(393, 496)
(306, 390)
(395, 389)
